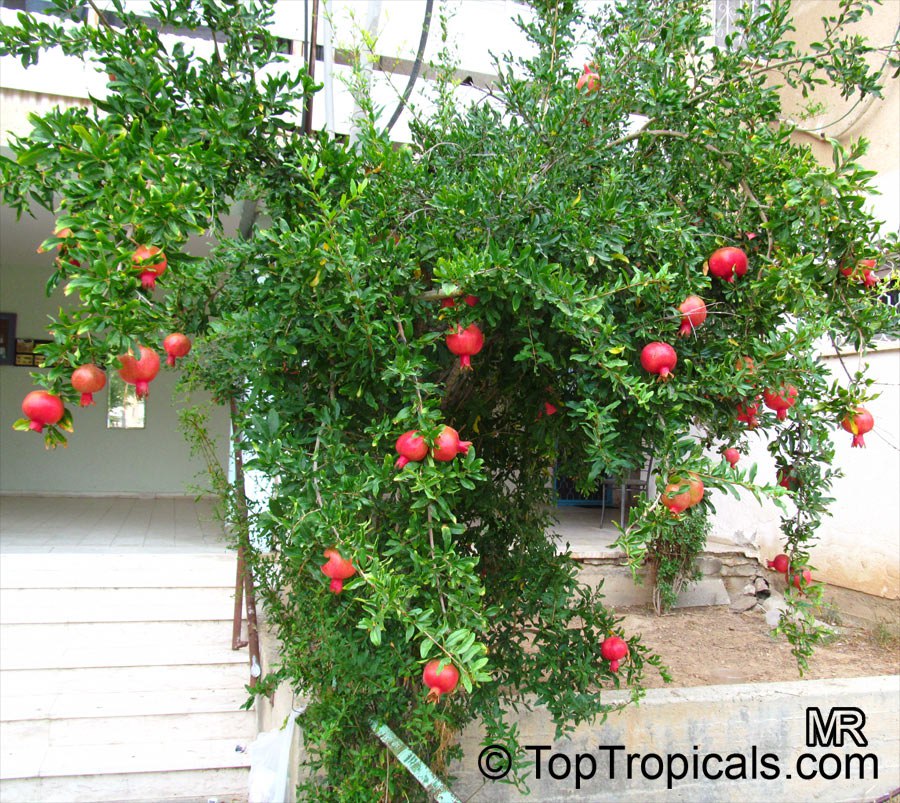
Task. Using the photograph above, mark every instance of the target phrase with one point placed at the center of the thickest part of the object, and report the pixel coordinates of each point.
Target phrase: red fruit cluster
(412, 448)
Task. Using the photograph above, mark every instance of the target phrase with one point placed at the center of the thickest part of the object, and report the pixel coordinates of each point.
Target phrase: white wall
(858, 547)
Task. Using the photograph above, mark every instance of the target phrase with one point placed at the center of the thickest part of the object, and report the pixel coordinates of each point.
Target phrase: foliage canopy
(579, 217)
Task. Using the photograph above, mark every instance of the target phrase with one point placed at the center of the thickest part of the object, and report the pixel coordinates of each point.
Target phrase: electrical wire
(417, 65)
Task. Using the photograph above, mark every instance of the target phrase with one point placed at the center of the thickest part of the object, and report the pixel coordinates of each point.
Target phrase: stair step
(39, 606)
(139, 570)
(238, 725)
(17, 683)
(48, 656)
(121, 634)
(115, 704)
(221, 785)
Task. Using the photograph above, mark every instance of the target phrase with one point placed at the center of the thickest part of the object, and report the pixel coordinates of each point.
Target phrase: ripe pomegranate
(149, 272)
(439, 682)
(728, 262)
(862, 272)
(786, 479)
(781, 401)
(42, 409)
(464, 343)
(780, 563)
(745, 364)
(859, 422)
(448, 445)
(682, 493)
(548, 410)
(411, 447)
(747, 414)
(88, 379)
(449, 302)
(693, 313)
(338, 569)
(589, 79)
(732, 455)
(176, 345)
(141, 372)
(614, 650)
(659, 358)
(800, 578)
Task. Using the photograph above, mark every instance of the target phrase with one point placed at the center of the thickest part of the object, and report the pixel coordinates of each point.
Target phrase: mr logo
(830, 732)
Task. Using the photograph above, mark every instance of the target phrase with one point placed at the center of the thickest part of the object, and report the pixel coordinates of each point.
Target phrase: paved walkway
(108, 524)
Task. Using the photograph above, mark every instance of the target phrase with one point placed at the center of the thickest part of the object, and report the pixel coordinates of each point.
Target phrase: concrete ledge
(755, 729)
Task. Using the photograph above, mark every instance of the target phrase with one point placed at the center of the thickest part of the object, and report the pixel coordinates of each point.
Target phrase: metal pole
(433, 785)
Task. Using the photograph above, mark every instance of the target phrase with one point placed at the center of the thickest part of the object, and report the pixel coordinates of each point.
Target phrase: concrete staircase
(118, 681)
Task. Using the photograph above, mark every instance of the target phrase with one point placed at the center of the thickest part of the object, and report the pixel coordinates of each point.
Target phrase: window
(725, 17)
(124, 409)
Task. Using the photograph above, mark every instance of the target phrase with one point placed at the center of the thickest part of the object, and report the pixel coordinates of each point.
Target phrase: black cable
(417, 65)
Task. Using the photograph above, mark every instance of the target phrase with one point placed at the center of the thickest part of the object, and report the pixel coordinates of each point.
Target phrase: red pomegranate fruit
(447, 445)
(732, 455)
(781, 401)
(801, 578)
(140, 372)
(682, 493)
(337, 569)
(471, 300)
(588, 78)
(411, 447)
(42, 409)
(465, 343)
(88, 379)
(614, 650)
(152, 264)
(693, 313)
(547, 410)
(859, 422)
(780, 563)
(746, 413)
(659, 358)
(786, 479)
(441, 681)
(176, 345)
(726, 263)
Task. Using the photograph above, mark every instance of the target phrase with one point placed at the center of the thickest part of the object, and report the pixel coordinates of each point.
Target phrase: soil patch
(712, 646)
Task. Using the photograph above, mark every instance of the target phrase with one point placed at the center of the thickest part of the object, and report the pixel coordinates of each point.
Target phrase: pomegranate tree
(87, 379)
(42, 409)
(859, 422)
(140, 372)
(659, 358)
